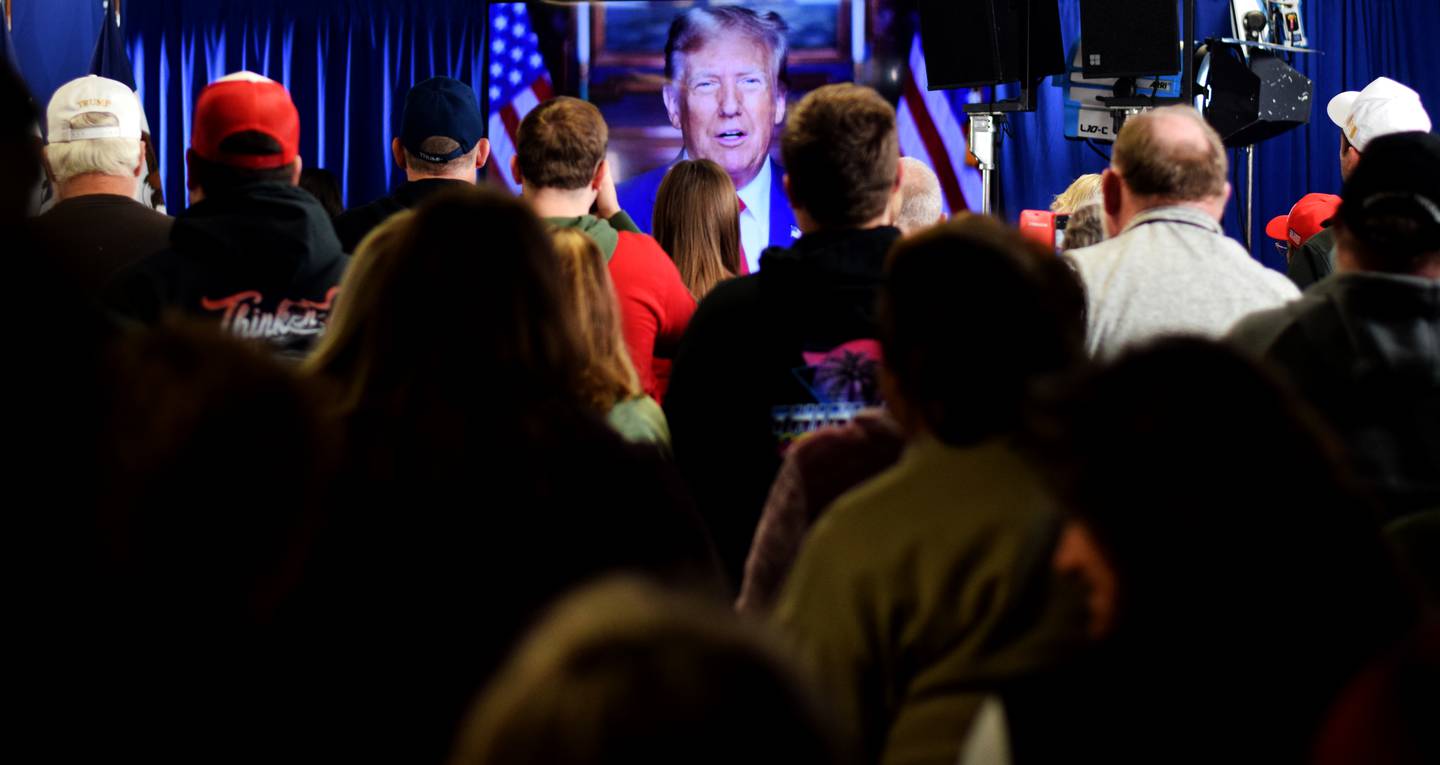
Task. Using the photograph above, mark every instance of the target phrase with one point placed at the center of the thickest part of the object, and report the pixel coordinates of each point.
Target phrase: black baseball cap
(1392, 199)
(443, 107)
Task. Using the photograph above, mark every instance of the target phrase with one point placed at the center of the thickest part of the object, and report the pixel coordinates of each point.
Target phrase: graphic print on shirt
(841, 382)
(241, 315)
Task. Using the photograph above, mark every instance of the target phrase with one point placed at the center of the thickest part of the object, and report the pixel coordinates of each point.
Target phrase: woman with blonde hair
(1085, 204)
(607, 382)
(1083, 190)
(697, 221)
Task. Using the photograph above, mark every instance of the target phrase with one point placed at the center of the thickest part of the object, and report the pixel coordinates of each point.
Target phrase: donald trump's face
(726, 103)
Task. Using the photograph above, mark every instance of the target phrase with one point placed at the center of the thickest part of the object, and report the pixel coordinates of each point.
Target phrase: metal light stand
(983, 129)
(986, 122)
(1250, 198)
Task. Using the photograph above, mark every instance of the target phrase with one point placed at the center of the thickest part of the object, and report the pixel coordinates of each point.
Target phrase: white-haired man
(95, 155)
(918, 203)
(725, 92)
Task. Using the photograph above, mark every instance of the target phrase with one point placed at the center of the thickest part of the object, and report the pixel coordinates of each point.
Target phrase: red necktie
(744, 261)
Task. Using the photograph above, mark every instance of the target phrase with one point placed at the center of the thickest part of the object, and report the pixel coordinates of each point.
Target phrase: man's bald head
(1171, 155)
(1165, 157)
(917, 203)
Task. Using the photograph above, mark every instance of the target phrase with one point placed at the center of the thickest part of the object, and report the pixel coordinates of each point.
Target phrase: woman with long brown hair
(478, 484)
(697, 221)
(607, 382)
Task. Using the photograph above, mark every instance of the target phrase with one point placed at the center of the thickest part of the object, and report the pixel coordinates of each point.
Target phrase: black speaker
(1247, 104)
(985, 42)
(1129, 38)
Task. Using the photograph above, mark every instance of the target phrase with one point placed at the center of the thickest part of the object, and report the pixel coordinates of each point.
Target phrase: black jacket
(96, 235)
(262, 260)
(1314, 261)
(353, 224)
(1364, 348)
(767, 358)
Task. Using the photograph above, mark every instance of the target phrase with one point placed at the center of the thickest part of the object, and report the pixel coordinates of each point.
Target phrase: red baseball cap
(242, 102)
(1306, 219)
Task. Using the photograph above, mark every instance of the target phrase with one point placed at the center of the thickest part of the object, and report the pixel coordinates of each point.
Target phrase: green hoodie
(606, 233)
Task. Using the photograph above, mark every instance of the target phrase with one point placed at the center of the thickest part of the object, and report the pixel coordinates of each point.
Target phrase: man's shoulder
(1083, 258)
(1323, 304)
(92, 209)
(1258, 332)
(383, 205)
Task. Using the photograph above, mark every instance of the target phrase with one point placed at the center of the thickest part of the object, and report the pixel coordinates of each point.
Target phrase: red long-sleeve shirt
(655, 307)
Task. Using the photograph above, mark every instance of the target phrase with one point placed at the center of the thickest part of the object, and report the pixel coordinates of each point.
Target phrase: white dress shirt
(755, 220)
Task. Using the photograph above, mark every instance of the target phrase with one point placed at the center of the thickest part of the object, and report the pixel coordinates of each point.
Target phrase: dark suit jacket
(637, 197)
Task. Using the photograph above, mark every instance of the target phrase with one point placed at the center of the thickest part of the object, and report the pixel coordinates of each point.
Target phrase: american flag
(111, 61)
(518, 82)
(933, 129)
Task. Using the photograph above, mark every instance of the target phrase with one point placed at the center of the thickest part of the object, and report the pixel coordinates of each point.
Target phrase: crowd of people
(458, 476)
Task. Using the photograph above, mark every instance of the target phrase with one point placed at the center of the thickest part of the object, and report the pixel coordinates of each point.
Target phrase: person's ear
(899, 174)
(515, 170)
(1079, 558)
(482, 154)
(140, 163)
(1345, 260)
(190, 181)
(299, 169)
(1111, 187)
(45, 164)
(780, 104)
(803, 221)
(671, 94)
(598, 179)
(399, 152)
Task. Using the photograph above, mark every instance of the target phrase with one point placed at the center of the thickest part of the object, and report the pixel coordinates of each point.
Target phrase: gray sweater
(1172, 270)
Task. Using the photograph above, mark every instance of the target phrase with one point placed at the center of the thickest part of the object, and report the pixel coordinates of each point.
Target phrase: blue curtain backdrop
(1360, 40)
(348, 64)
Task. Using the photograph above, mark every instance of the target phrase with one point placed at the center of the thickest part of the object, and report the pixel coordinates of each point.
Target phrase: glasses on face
(1283, 248)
